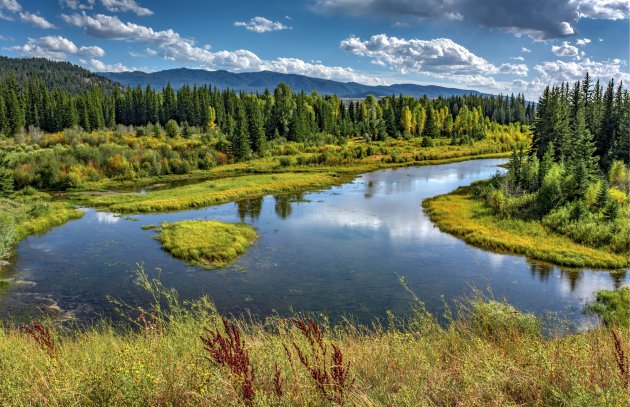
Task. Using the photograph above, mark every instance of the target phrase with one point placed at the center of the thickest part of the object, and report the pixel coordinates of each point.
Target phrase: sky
(494, 46)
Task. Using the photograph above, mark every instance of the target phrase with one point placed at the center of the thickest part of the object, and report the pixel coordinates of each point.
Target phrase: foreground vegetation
(206, 243)
(490, 354)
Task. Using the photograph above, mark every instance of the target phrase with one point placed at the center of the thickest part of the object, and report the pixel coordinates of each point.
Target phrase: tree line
(249, 120)
(575, 177)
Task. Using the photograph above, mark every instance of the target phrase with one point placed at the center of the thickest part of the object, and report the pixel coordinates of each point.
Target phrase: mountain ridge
(259, 81)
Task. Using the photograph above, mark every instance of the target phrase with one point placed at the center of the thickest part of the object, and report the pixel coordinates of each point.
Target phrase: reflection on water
(339, 251)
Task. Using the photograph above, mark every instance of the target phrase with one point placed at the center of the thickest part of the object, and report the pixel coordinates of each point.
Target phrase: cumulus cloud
(541, 20)
(526, 50)
(55, 47)
(100, 66)
(519, 58)
(437, 56)
(565, 50)
(126, 5)
(583, 41)
(261, 25)
(558, 71)
(35, 20)
(172, 46)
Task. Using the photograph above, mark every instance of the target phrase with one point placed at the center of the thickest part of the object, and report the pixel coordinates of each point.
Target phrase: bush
(172, 129)
(7, 233)
(613, 306)
(492, 319)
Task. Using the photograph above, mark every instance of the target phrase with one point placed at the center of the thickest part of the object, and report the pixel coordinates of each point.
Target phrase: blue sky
(489, 45)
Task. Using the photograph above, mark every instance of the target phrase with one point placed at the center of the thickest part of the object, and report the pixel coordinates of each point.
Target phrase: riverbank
(463, 215)
(30, 213)
(206, 243)
(490, 354)
(243, 181)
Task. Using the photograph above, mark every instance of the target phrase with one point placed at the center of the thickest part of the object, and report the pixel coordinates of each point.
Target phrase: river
(339, 251)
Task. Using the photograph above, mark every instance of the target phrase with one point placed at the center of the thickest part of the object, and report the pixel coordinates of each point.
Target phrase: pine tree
(6, 176)
(430, 126)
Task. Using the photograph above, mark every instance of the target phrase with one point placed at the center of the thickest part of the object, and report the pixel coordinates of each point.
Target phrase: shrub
(7, 233)
(613, 306)
(172, 128)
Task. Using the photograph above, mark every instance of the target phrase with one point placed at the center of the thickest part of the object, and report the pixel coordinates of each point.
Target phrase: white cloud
(126, 5)
(10, 5)
(526, 50)
(261, 25)
(565, 50)
(55, 47)
(603, 9)
(440, 56)
(35, 20)
(518, 58)
(514, 69)
(77, 5)
(583, 41)
(99, 66)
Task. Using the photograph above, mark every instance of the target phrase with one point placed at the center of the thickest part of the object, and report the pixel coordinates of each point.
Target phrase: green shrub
(613, 306)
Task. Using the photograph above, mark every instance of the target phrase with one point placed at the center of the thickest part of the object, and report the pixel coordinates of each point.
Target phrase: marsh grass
(206, 243)
(488, 354)
(461, 214)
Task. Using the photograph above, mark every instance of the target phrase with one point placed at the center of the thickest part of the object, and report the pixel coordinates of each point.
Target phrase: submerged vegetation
(206, 243)
(187, 354)
(567, 200)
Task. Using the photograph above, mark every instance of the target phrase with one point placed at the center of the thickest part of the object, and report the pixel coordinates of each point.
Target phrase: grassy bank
(29, 212)
(206, 243)
(463, 215)
(489, 355)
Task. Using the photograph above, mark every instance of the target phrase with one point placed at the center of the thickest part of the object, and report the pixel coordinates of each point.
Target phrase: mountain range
(259, 81)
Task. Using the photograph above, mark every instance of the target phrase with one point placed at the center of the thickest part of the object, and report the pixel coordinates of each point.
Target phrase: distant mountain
(259, 81)
(64, 75)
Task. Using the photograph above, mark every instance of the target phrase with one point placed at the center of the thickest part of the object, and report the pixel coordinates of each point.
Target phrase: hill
(64, 75)
(259, 81)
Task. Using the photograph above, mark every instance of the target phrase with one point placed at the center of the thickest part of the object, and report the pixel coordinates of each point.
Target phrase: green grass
(206, 243)
(461, 214)
(212, 192)
(489, 355)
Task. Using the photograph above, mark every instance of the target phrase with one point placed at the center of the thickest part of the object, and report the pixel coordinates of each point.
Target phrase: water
(340, 251)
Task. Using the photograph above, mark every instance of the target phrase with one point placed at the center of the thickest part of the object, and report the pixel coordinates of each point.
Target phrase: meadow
(186, 353)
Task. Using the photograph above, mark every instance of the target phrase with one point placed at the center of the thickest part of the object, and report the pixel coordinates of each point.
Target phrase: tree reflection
(249, 207)
(283, 205)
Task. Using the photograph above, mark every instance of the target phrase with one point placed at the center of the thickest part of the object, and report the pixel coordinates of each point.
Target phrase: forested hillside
(54, 74)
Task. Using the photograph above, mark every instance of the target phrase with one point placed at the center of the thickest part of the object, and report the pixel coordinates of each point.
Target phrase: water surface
(339, 251)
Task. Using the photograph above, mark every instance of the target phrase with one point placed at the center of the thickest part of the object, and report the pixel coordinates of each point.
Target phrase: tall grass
(463, 215)
(488, 354)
